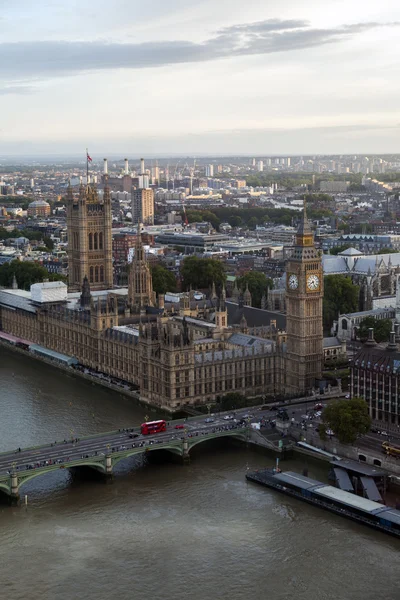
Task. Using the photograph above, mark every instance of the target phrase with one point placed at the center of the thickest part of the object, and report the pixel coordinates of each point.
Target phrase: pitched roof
(255, 317)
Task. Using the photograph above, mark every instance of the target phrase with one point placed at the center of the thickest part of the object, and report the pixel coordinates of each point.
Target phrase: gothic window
(344, 324)
(96, 274)
(95, 243)
(177, 359)
(101, 240)
(90, 241)
(91, 275)
(101, 273)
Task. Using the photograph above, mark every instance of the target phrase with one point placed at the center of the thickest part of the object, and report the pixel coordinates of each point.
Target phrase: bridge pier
(14, 496)
(108, 472)
(185, 452)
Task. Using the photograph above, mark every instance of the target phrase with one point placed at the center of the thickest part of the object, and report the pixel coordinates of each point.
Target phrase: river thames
(166, 531)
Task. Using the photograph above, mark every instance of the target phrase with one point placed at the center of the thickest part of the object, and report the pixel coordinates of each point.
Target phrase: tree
(163, 280)
(233, 400)
(252, 223)
(211, 218)
(258, 285)
(340, 296)
(381, 327)
(339, 249)
(347, 419)
(197, 216)
(235, 221)
(388, 251)
(201, 273)
(26, 274)
(193, 216)
(48, 242)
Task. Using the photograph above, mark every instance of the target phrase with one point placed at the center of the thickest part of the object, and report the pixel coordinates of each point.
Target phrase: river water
(166, 531)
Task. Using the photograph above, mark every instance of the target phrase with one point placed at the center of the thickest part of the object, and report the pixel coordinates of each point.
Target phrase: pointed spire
(247, 296)
(14, 285)
(264, 301)
(235, 292)
(304, 228)
(213, 292)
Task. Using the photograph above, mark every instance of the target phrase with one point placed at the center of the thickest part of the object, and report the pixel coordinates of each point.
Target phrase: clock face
(313, 282)
(293, 282)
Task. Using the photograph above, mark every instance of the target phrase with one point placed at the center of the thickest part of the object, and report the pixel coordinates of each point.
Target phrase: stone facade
(304, 296)
(89, 224)
(172, 355)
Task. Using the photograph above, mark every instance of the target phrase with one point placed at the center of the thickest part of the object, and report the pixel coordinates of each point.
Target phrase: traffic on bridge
(103, 451)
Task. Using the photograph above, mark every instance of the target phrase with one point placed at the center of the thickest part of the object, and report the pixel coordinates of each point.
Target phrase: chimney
(126, 171)
(161, 300)
(105, 171)
(370, 341)
(392, 342)
(142, 171)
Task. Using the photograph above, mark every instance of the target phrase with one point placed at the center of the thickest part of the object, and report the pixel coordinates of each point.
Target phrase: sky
(199, 77)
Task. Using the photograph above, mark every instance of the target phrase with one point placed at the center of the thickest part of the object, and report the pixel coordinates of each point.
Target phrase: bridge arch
(145, 450)
(215, 436)
(22, 479)
(5, 488)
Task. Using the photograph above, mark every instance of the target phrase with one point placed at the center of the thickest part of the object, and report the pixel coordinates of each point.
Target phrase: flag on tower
(89, 158)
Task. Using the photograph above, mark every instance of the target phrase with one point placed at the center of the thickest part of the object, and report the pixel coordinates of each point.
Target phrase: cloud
(46, 59)
(16, 89)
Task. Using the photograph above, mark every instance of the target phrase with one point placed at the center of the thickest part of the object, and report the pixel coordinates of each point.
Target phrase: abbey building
(175, 355)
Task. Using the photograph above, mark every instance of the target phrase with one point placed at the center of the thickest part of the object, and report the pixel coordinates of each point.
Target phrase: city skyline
(163, 79)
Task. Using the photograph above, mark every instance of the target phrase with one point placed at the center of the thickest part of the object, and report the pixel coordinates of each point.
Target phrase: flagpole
(87, 167)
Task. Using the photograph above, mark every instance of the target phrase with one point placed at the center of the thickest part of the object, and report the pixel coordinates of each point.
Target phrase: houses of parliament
(176, 355)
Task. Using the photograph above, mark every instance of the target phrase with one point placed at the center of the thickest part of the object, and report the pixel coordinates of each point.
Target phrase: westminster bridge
(102, 452)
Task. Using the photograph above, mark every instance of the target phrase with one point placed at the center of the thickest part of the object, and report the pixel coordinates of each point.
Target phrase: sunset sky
(200, 76)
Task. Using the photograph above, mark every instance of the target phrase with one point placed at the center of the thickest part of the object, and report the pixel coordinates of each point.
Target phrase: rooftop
(358, 467)
(331, 342)
(349, 499)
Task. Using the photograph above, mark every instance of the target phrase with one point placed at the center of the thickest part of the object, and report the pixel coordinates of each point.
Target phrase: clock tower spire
(304, 296)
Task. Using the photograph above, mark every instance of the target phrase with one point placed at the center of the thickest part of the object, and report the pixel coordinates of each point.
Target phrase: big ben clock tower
(304, 295)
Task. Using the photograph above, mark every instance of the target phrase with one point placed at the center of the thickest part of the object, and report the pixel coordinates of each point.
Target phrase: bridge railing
(136, 428)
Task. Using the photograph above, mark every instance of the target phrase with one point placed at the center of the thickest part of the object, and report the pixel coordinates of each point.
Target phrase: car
(228, 417)
(133, 435)
(209, 420)
(385, 433)
(329, 432)
(179, 426)
(318, 406)
(318, 413)
(347, 396)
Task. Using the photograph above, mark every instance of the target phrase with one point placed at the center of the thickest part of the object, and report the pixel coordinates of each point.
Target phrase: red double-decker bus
(153, 427)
